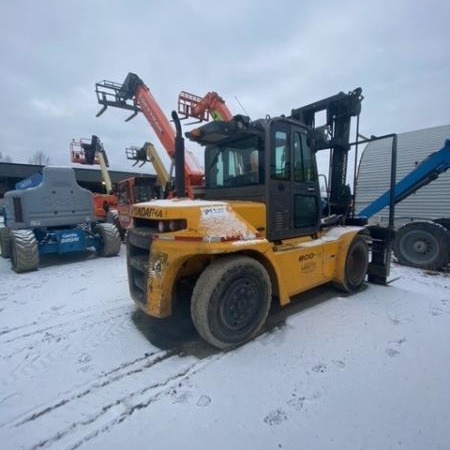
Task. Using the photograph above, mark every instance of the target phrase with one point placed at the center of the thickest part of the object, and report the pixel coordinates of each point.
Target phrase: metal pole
(179, 158)
(355, 167)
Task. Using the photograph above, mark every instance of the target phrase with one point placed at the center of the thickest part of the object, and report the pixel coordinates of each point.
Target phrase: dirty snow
(81, 368)
(225, 226)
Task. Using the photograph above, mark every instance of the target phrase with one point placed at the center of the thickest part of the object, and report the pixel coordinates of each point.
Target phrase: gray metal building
(429, 202)
(11, 173)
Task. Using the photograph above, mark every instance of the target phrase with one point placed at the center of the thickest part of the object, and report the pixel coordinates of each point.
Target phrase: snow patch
(182, 203)
(81, 369)
(225, 225)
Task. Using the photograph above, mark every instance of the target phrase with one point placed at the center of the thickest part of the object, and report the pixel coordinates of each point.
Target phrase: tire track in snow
(21, 327)
(86, 323)
(100, 421)
(93, 419)
(76, 319)
(104, 380)
(53, 313)
(69, 396)
(94, 334)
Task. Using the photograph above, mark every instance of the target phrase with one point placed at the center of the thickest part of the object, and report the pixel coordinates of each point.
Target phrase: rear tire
(231, 300)
(444, 221)
(112, 217)
(110, 239)
(356, 264)
(24, 251)
(424, 245)
(5, 243)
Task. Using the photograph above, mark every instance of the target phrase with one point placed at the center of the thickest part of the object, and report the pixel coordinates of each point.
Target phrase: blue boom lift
(50, 213)
(424, 244)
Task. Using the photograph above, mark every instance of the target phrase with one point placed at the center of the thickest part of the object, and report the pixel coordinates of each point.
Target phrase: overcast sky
(272, 56)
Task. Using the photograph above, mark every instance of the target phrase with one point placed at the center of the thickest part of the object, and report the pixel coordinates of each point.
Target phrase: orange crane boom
(135, 96)
(212, 104)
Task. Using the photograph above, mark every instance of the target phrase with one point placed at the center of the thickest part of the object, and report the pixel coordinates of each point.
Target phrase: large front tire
(356, 264)
(425, 245)
(24, 251)
(231, 300)
(110, 239)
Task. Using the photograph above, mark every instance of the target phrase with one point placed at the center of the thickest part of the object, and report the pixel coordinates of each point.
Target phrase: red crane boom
(212, 104)
(135, 96)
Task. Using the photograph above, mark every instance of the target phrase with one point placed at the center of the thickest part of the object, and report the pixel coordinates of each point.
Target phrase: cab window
(240, 163)
(279, 165)
(304, 168)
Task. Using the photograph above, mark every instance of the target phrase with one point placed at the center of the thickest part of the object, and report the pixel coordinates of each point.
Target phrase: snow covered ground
(80, 368)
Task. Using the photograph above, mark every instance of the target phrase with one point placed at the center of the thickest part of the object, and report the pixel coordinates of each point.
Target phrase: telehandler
(262, 229)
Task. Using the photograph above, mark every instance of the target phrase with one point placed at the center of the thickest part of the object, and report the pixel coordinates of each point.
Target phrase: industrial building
(429, 202)
(11, 173)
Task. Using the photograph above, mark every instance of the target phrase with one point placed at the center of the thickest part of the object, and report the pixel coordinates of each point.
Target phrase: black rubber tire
(5, 242)
(24, 251)
(424, 245)
(356, 264)
(110, 239)
(112, 216)
(230, 286)
(444, 221)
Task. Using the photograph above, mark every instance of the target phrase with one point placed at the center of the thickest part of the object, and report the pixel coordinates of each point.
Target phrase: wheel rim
(356, 265)
(419, 247)
(240, 305)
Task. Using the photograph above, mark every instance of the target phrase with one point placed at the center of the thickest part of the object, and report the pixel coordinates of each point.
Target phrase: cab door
(292, 186)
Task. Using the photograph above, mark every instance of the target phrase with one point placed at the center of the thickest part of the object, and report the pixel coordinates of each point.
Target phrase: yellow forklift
(262, 230)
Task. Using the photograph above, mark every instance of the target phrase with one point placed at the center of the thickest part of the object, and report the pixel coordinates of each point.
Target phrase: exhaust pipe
(180, 188)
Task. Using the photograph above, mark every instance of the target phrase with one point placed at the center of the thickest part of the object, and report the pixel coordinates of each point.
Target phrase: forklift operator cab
(293, 189)
(235, 164)
(286, 182)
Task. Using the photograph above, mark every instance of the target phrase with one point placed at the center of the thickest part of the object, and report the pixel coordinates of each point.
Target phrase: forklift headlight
(165, 226)
(177, 225)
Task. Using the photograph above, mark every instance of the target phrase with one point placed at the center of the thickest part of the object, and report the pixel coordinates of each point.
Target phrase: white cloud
(272, 56)
(49, 108)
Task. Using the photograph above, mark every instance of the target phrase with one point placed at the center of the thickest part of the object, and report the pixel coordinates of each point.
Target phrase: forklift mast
(135, 96)
(334, 135)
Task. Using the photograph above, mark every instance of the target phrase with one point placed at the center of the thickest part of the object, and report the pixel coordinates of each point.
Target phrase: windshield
(239, 163)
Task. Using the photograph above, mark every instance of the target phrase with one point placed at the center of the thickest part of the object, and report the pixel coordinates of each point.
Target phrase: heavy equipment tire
(5, 242)
(424, 245)
(444, 221)
(24, 251)
(110, 239)
(231, 300)
(356, 263)
(112, 216)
